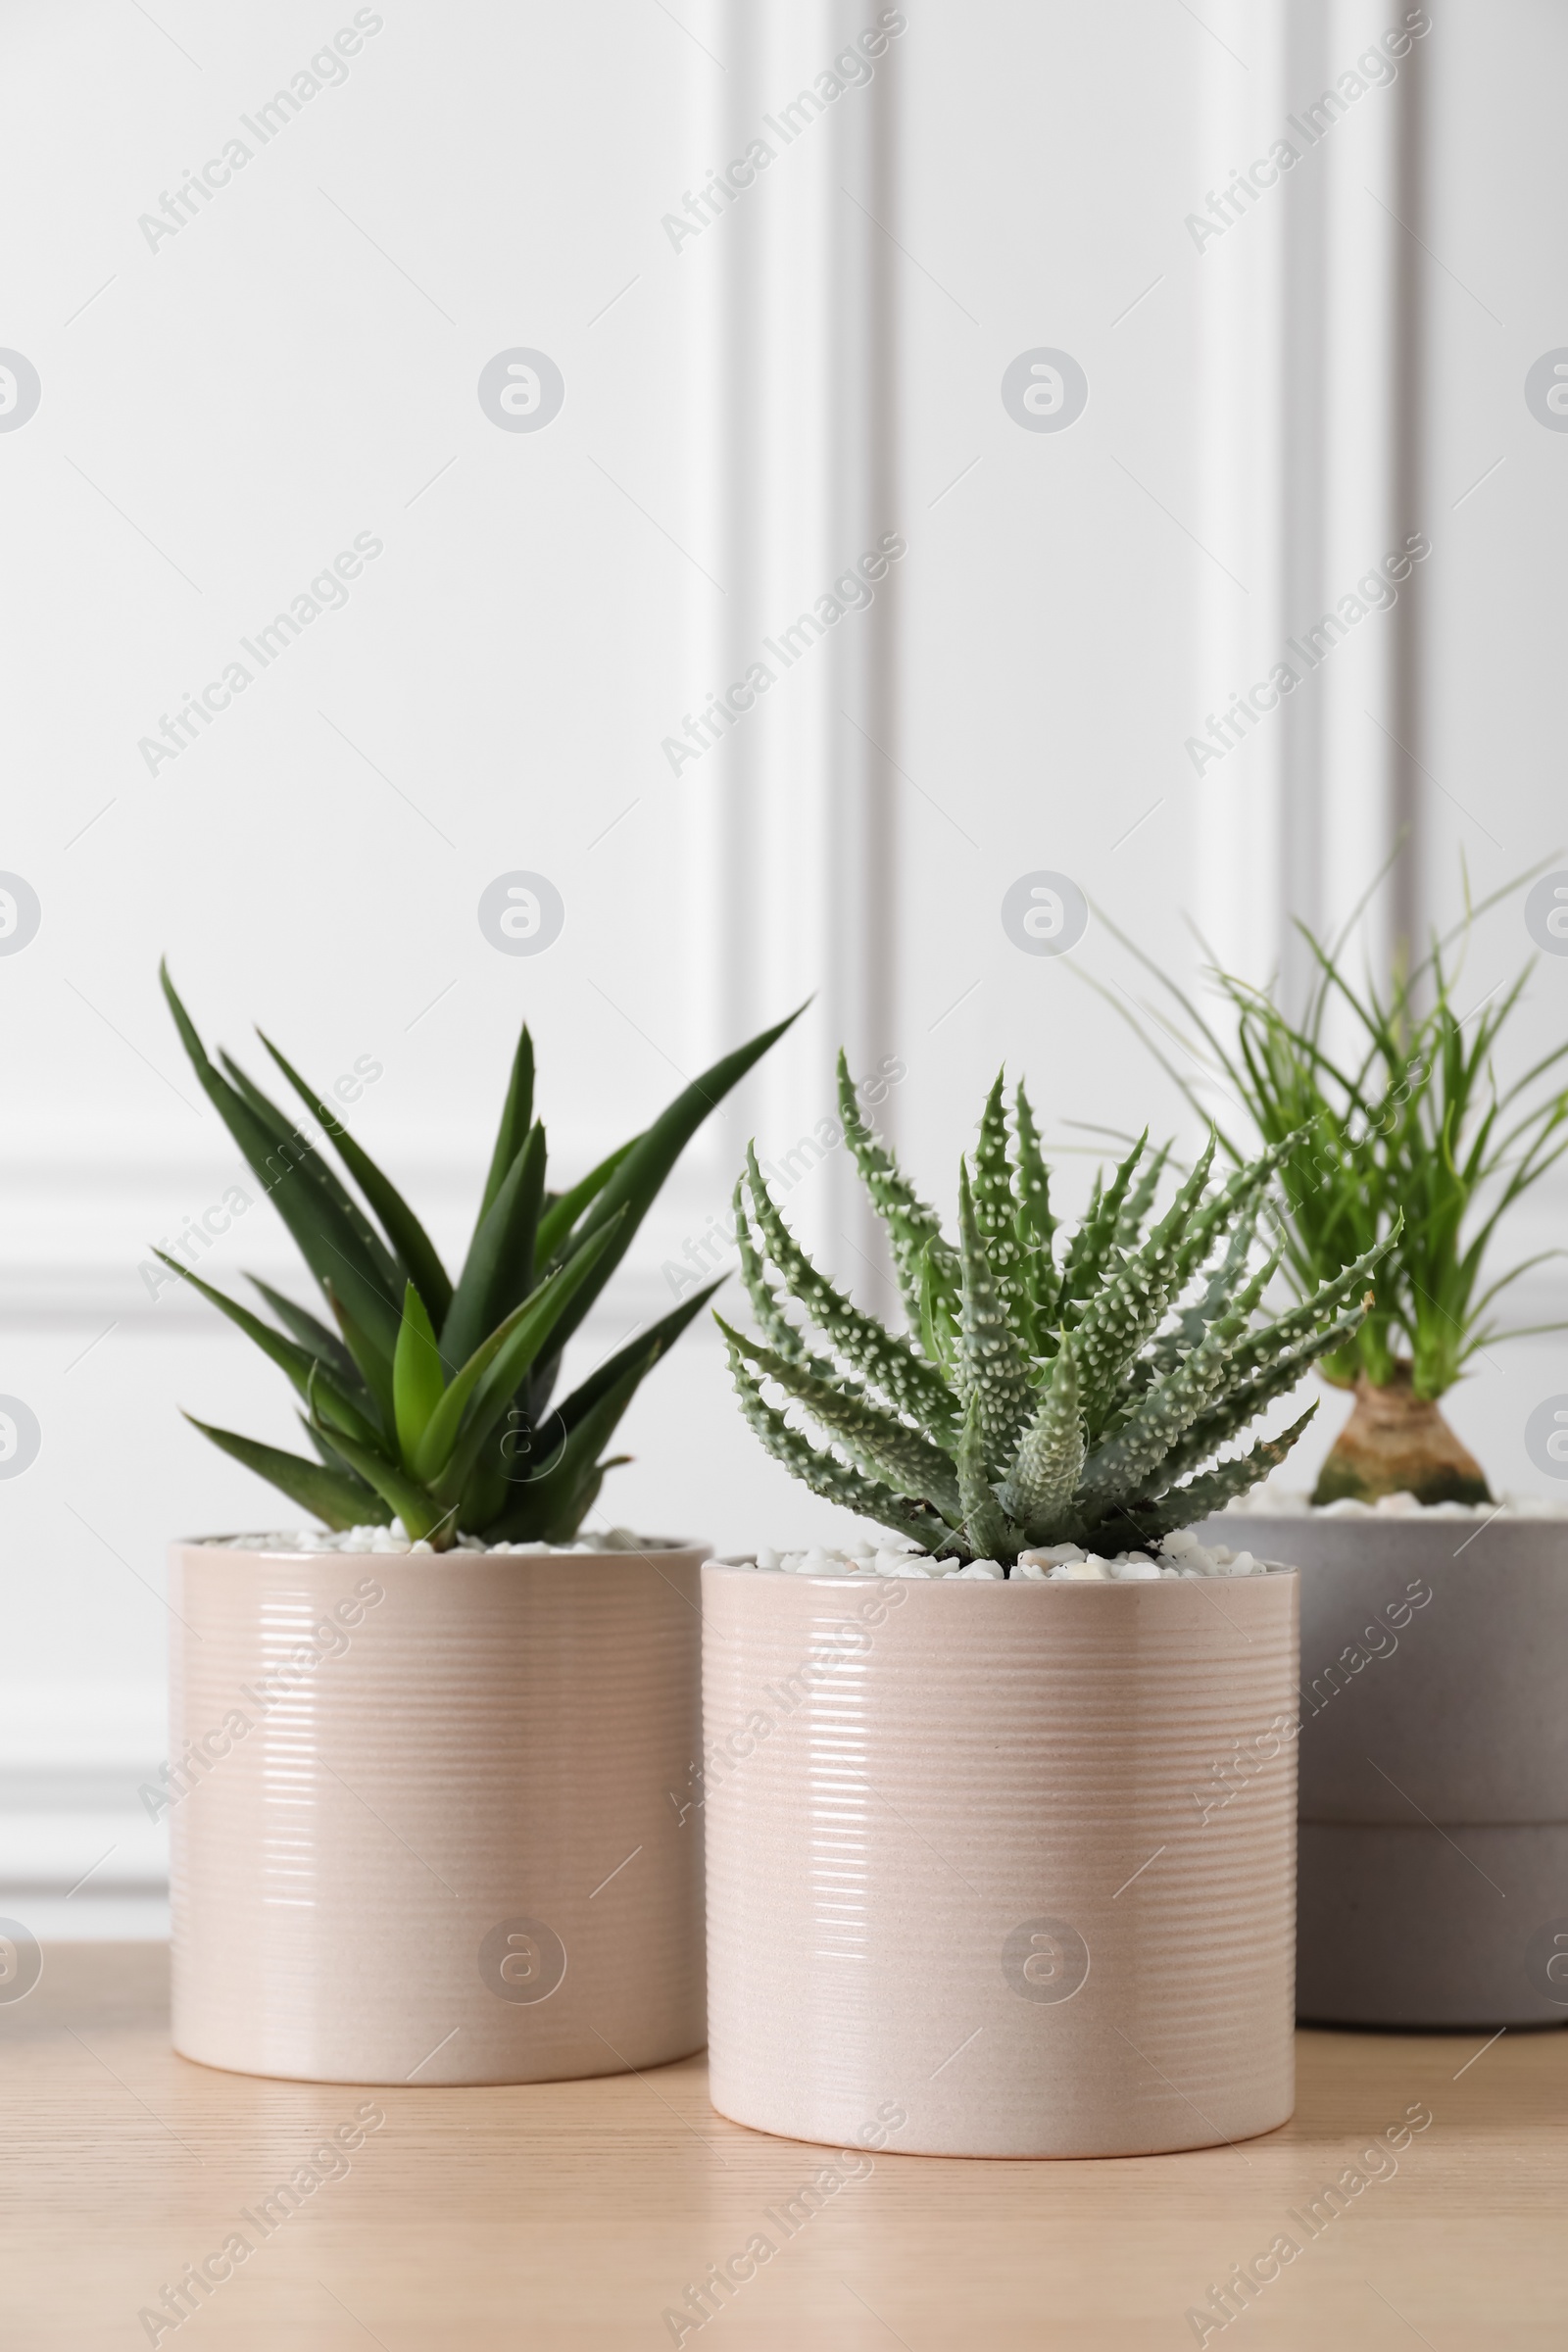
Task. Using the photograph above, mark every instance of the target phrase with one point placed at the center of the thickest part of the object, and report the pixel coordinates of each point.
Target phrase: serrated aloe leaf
(516, 1119)
(1096, 1237)
(1039, 1485)
(1256, 1350)
(302, 1366)
(410, 1243)
(1140, 1199)
(995, 1209)
(1035, 1226)
(884, 1446)
(1240, 1404)
(332, 1496)
(498, 1271)
(417, 1380)
(777, 1329)
(984, 1531)
(1123, 1463)
(823, 1474)
(908, 1223)
(883, 1358)
(940, 1313)
(1134, 1291)
(992, 1369)
(1201, 1498)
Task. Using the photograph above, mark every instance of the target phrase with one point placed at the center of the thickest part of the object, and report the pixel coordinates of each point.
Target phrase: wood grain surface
(578, 2214)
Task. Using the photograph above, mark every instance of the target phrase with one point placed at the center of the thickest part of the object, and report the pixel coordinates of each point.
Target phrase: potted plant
(416, 1788)
(1434, 1793)
(970, 1889)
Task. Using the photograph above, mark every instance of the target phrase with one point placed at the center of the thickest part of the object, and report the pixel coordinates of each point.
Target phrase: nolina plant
(1044, 1394)
(1406, 1134)
(430, 1400)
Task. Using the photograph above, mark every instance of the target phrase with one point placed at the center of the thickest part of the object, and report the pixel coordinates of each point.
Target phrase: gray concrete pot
(1433, 1884)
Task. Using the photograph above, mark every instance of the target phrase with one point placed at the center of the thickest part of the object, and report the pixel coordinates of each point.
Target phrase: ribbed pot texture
(1000, 1869)
(1433, 1797)
(421, 1814)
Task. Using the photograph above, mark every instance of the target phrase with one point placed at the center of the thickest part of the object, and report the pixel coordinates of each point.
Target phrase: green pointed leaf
(498, 1272)
(375, 1361)
(312, 1334)
(417, 1380)
(334, 1497)
(424, 1519)
(516, 1119)
(302, 1366)
(561, 1213)
(644, 1350)
(549, 1508)
(635, 1183)
(411, 1242)
(330, 1236)
(480, 1394)
(292, 1147)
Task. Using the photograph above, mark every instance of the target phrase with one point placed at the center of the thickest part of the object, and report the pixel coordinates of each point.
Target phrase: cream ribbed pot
(1012, 1862)
(424, 1813)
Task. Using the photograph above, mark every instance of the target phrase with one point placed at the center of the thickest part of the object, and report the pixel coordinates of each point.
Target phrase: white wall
(221, 415)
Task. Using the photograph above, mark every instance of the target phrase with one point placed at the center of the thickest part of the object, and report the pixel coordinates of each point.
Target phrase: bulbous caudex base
(1399, 1443)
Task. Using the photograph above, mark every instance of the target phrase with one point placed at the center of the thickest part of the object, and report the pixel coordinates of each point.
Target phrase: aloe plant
(428, 1399)
(1048, 1389)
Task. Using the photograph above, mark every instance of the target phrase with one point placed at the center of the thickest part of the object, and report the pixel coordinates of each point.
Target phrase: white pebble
(1051, 1555)
(983, 1572)
(766, 1556)
(1081, 1572)
(1135, 1571)
(1030, 1569)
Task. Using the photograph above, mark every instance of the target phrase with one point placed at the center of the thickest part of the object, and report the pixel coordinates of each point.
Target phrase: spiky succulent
(1043, 1394)
(430, 1402)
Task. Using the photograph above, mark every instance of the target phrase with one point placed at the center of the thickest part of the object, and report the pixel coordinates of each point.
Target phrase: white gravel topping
(1180, 1554)
(395, 1538)
(1266, 1503)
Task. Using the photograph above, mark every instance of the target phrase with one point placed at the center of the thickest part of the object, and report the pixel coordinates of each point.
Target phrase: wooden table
(578, 2214)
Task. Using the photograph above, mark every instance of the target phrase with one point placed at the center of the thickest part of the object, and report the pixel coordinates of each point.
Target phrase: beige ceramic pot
(421, 1813)
(1001, 1869)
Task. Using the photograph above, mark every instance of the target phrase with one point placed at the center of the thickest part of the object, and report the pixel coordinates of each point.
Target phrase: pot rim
(861, 1580)
(239, 1548)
